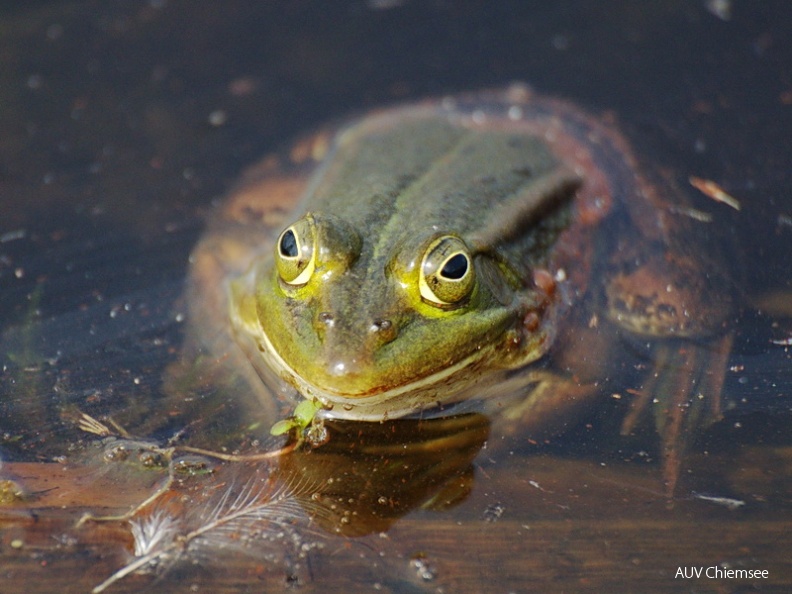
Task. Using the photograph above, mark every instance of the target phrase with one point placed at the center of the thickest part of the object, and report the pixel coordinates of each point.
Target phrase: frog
(467, 251)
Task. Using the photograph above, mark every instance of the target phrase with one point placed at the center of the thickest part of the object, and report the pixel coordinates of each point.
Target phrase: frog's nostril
(381, 325)
(326, 318)
(384, 330)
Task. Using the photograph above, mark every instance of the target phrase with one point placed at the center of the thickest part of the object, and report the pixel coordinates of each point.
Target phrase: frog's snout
(349, 351)
(344, 368)
(364, 335)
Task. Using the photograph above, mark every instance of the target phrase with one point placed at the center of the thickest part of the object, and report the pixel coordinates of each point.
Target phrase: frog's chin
(431, 392)
(445, 393)
(377, 404)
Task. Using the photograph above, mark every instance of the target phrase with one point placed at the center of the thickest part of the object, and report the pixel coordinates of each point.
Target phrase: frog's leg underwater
(690, 344)
(686, 382)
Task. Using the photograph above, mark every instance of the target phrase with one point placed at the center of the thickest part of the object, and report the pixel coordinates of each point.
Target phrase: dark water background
(135, 115)
(122, 122)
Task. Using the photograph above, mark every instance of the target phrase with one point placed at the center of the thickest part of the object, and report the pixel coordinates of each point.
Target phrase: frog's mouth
(377, 403)
(431, 391)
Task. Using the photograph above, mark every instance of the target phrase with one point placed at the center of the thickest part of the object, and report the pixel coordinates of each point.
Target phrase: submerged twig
(269, 455)
(91, 425)
(161, 490)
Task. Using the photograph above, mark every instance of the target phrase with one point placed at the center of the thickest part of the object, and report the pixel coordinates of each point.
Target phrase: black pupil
(288, 244)
(455, 268)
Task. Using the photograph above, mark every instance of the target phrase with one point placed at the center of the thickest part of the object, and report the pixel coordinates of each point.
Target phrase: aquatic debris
(152, 531)
(88, 424)
(11, 491)
(494, 512)
(782, 341)
(13, 235)
(720, 8)
(423, 567)
(304, 414)
(536, 485)
(712, 190)
(180, 461)
(695, 214)
(384, 4)
(727, 502)
(261, 518)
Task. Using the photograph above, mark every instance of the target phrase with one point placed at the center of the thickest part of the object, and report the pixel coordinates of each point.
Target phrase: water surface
(124, 122)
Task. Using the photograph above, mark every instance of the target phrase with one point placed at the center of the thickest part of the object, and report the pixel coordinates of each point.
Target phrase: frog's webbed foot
(685, 388)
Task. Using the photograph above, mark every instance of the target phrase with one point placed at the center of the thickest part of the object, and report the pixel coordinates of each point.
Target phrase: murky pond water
(124, 125)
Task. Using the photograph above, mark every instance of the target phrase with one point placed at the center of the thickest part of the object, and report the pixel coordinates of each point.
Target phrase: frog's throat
(422, 393)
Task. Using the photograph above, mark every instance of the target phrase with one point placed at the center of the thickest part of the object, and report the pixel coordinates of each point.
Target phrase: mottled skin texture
(523, 185)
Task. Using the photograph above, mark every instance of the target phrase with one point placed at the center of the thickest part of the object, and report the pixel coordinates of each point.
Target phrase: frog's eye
(295, 253)
(447, 275)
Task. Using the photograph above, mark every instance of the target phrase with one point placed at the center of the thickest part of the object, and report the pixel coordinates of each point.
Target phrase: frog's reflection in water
(371, 475)
(360, 481)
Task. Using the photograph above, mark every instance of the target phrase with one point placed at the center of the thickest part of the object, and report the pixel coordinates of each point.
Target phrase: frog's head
(383, 327)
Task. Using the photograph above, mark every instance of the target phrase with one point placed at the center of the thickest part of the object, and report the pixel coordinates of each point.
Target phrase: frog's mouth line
(426, 392)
